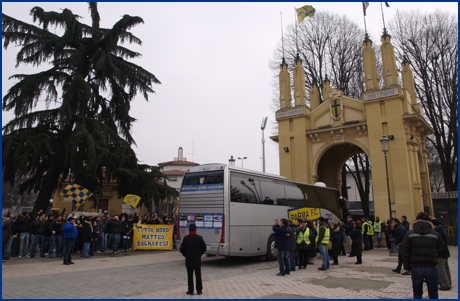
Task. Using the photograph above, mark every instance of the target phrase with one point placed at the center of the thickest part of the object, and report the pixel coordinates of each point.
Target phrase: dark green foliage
(138, 181)
(86, 128)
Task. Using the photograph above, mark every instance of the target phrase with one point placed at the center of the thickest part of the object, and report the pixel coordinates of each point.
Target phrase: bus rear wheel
(272, 252)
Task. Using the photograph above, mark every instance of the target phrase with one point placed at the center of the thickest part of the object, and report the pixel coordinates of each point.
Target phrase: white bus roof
(220, 166)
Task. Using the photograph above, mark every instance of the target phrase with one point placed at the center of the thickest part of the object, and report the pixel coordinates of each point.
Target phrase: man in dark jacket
(108, 232)
(115, 226)
(192, 247)
(56, 229)
(292, 245)
(342, 251)
(349, 227)
(420, 249)
(6, 233)
(398, 233)
(357, 242)
(404, 222)
(24, 234)
(282, 242)
(443, 265)
(40, 227)
(86, 236)
(126, 227)
(311, 252)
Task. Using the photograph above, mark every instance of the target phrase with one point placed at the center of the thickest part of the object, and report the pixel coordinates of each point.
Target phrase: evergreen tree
(88, 88)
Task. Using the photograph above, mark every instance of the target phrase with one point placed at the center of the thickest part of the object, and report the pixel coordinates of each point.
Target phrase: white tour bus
(234, 208)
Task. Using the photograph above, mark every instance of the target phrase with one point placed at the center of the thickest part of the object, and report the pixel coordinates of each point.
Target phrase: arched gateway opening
(331, 162)
(316, 140)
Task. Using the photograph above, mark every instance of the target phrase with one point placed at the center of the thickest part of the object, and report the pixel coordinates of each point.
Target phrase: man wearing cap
(192, 247)
(70, 234)
(443, 265)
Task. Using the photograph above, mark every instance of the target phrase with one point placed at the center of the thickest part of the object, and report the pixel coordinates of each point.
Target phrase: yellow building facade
(315, 141)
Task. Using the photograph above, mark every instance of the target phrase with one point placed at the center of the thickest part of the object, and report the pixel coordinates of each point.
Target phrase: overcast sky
(213, 62)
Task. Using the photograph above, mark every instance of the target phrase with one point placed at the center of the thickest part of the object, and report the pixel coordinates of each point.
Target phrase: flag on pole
(76, 193)
(132, 200)
(365, 5)
(387, 5)
(305, 11)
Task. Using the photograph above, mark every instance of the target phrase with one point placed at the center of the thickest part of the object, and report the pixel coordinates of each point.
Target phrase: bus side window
(271, 191)
(244, 189)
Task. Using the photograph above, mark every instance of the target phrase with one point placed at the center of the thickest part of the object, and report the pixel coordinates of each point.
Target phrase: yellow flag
(305, 11)
(132, 200)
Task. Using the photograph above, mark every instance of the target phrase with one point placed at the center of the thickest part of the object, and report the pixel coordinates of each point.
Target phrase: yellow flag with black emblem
(132, 200)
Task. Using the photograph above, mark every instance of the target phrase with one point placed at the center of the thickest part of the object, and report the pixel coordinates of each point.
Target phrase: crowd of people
(422, 250)
(24, 234)
(299, 244)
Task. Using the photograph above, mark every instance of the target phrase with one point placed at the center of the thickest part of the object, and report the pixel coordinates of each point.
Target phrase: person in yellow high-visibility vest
(364, 230)
(323, 242)
(303, 243)
(370, 234)
(378, 231)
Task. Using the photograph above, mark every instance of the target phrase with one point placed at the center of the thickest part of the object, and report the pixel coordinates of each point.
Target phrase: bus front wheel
(272, 252)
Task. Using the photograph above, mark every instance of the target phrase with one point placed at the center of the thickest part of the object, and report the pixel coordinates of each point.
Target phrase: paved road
(161, 274)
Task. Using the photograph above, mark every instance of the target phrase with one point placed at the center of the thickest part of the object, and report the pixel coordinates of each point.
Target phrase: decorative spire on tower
(389, 71)
(285, 85)
(314, 95)
(408, 80)
(326, 88)
(370, 65)
(299, 82)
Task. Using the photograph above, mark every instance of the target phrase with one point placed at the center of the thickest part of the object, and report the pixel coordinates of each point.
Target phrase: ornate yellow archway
(316, 140)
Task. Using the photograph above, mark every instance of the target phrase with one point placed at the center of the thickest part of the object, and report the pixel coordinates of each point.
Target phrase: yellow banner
(153, 237)
(305, 212)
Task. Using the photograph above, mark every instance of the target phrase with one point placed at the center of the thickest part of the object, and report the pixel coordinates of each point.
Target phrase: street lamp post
(239, 158)
(262, 127)
(385, 142)
(231, 161)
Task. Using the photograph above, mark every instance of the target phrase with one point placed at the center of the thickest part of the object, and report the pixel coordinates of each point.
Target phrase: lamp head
(385, 143)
